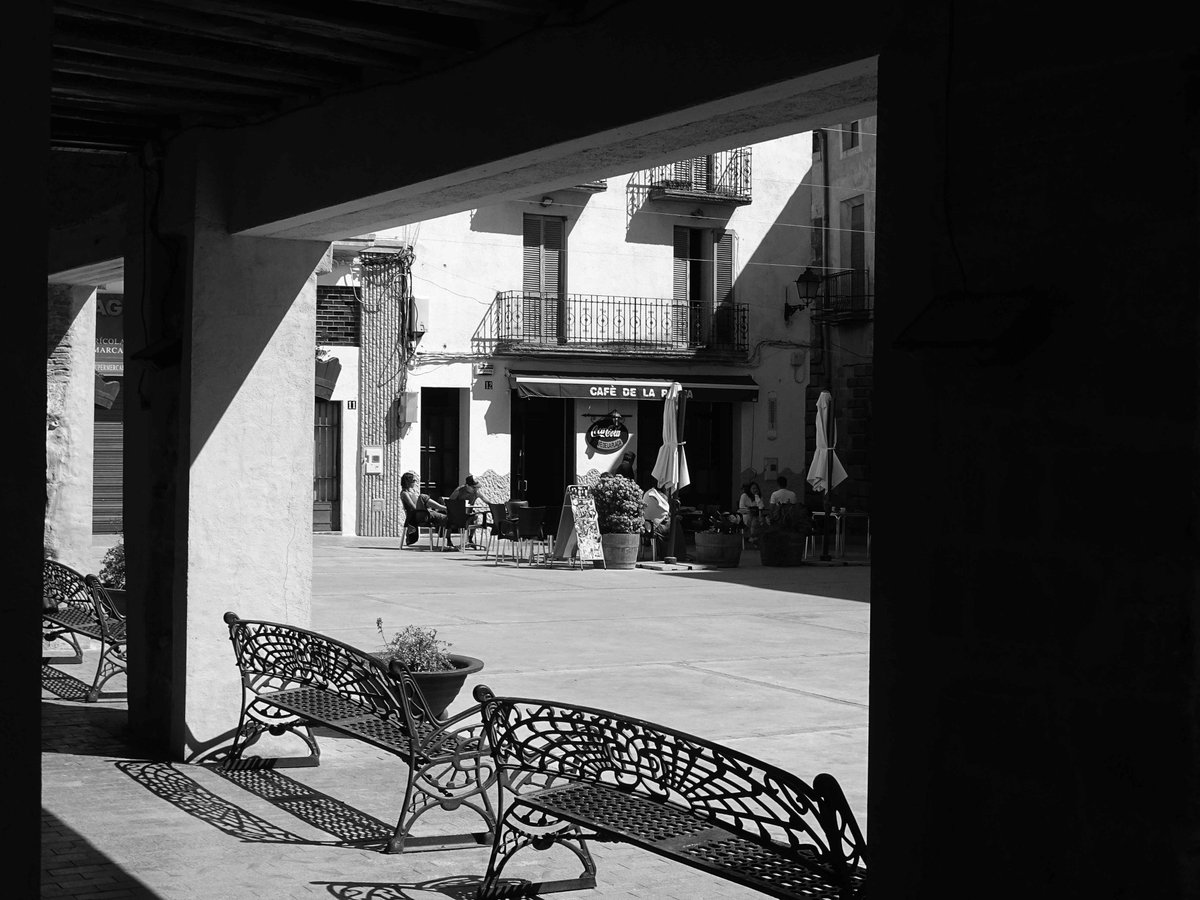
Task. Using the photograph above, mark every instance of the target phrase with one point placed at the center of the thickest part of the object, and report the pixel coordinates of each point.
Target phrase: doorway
(541, 445)
(327, 465)
(439, 441)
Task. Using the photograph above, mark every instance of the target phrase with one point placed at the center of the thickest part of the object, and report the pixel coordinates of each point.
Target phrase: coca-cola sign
(606, 435)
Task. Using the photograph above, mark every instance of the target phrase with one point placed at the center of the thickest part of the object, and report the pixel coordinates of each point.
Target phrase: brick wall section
(338, 316)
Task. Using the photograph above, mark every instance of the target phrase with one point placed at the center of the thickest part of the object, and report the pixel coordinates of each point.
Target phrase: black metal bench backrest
(62, 587)
(274, 656)
(765, 804)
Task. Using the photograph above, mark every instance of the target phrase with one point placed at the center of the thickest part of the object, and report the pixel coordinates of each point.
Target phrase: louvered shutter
(108, 446)
(723, 254)
(552, 278)
(679, 318)
(531, 298)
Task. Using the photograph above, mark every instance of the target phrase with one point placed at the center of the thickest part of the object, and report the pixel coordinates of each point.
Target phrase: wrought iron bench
(295, 679)
(75, 606)
(576, 774)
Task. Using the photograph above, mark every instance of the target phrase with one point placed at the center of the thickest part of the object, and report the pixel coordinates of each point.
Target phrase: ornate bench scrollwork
(293, 679)
(575, 774)
(75, 606)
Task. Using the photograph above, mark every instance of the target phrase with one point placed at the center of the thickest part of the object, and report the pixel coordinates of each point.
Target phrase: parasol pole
(677, 545)
(825, 556)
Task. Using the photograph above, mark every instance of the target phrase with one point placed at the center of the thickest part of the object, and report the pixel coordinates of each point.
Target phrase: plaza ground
(772, 661)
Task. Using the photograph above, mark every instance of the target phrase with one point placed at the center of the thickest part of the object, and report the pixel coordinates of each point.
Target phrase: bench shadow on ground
(459, 887)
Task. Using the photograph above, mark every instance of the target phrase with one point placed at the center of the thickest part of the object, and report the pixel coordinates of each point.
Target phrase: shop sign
(110, 340)
(606, 435)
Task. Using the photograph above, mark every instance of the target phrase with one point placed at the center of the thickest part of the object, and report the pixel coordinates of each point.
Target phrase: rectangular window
(816, 243)
(703, 283)
(816, 145)
(854, 243)
(850, 135)
(543, 316)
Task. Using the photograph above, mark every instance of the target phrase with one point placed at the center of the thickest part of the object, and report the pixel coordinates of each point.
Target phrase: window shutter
(552, 276)
(679, 317)
(531, 303)
(723, 253)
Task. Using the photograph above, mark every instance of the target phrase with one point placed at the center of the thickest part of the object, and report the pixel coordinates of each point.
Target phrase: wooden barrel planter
(718, 549)
(620, 550)
(781, 548)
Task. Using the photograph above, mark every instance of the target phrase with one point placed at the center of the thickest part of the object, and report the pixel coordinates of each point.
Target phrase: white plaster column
(70, 427)
(250, 383)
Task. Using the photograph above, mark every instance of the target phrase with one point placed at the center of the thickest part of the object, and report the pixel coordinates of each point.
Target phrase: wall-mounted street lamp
(808, 286)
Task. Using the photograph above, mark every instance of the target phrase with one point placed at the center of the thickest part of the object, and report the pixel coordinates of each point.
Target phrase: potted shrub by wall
(438, 672)
(720, 544)
(112, 573)
(782, 533)
(619, 517)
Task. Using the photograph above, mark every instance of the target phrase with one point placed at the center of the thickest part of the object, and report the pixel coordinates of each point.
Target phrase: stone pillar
(221, 473)
(1035, 670)
(70, 405)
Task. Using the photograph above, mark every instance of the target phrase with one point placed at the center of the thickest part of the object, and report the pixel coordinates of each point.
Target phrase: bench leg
(112, 662)
(58, 634)
(523, 826)
(464, 781)
(257, 718)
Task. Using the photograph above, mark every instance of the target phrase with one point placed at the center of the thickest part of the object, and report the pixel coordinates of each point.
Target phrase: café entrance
(542, 442)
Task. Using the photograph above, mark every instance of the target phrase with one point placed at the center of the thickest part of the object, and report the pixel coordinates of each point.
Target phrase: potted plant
(619, 505)
(112, 573)
(720, 543)
(782, 534)
(438, 672)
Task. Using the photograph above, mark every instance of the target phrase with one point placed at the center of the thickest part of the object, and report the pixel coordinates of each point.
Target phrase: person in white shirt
(783, 494)
(657, 513)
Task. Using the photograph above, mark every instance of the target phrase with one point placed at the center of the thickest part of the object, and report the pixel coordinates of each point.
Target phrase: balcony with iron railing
(846, 296)
(520, 322)
(717, 177)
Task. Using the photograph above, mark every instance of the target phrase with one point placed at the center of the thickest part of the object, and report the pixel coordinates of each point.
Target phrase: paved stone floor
(773, 661)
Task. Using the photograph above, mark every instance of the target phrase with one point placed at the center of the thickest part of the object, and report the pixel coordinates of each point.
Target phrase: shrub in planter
(619, 517)
(112, 566)
(720, 544)
(438, 672)
(782, 534)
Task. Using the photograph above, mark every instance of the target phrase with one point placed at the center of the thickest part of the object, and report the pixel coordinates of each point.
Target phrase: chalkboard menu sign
(578, 526)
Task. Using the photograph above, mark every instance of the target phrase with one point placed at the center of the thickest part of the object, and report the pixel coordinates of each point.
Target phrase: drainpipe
(827, 345)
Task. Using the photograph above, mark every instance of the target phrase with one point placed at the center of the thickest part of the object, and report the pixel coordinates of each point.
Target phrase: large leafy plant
(618, 504)
(418, 648)
(786, 517)
(112, 566)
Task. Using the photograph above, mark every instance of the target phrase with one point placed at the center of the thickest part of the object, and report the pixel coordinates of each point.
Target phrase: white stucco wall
(463, 260)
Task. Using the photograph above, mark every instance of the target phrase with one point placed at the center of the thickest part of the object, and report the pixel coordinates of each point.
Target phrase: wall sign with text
(606, 435)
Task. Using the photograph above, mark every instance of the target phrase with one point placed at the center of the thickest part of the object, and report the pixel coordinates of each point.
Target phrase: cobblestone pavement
(770, 660)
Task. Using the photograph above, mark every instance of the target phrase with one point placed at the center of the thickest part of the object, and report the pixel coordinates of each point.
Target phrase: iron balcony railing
(521, 322)
(845, 296)
(717, 176)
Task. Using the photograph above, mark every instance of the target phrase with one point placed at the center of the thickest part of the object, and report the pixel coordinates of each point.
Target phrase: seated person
(657, 513)
(783, 494)
(420, 509)
(477, 504)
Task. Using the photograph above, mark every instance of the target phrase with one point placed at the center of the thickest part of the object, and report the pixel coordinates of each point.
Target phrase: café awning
(632, 387)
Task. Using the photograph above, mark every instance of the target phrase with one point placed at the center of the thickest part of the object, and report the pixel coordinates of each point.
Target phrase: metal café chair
(530, 533)
(457, 521)
(503, 529)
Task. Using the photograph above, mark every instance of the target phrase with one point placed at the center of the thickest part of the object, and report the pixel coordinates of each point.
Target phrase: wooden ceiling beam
(81, 63)
(206, 36)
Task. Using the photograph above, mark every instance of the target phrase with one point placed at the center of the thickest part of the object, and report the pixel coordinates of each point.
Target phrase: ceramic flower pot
(714, 549)
(440, 688)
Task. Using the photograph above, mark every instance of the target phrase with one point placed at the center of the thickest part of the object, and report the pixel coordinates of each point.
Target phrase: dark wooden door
(327, 465)
(439, 441)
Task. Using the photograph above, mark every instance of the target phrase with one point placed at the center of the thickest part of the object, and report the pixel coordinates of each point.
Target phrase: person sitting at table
(656, 510)
(420, 509)
(751, 506)
(783, 494)
(477, 505)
